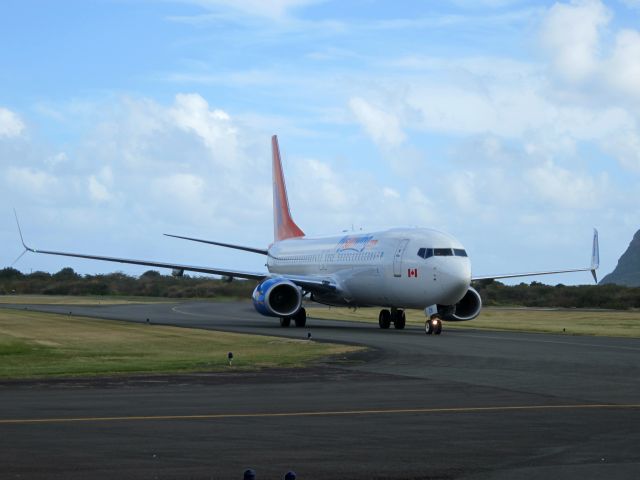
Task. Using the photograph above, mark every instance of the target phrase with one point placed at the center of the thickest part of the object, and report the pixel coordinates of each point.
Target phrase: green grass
(566, 322)
(91, 300)
(80, 300)
(34, 345)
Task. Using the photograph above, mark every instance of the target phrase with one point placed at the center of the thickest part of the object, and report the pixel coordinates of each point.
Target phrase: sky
(512, 125)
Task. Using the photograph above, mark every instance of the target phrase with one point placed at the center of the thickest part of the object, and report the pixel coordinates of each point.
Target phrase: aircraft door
(397, 258)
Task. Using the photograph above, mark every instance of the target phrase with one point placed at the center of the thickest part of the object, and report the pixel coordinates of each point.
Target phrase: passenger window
(458, 252)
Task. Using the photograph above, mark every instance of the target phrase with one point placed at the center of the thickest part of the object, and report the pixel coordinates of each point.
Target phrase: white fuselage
(402, 268)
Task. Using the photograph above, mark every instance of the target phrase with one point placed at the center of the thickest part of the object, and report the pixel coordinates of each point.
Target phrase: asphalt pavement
(465, 404)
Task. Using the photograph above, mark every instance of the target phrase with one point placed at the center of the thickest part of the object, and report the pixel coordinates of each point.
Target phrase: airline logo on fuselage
(356, 243)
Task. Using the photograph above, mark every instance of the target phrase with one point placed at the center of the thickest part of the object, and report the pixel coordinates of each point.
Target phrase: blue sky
(512, 125)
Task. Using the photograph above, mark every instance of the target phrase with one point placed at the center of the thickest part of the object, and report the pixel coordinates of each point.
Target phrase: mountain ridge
(627, 272)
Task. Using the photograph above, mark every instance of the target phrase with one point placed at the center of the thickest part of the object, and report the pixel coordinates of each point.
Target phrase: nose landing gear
(433, 326)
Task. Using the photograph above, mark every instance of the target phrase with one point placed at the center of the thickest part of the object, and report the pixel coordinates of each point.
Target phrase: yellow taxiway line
(217, 416)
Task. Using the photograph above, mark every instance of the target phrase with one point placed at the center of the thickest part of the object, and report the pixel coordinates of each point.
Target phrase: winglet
(595, 255)
(26, 249)
(283, 225)
(20, 232)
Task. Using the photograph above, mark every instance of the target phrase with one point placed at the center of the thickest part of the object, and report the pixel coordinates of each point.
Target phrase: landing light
(434, 322)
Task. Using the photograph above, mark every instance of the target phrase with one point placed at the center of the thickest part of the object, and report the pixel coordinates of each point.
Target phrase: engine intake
(277, 297)
(467, 308)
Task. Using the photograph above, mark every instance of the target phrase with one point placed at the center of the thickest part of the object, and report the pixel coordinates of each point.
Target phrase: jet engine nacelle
(277, 297)
(467, 308)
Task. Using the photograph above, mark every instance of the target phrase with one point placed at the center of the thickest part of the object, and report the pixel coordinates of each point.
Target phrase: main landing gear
(395, 316)
(300, 319)
(433, 325)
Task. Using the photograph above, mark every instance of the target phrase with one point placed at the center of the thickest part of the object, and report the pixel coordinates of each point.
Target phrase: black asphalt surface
(466, 404)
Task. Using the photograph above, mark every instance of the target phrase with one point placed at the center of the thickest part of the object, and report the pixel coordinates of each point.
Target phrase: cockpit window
(441, 252)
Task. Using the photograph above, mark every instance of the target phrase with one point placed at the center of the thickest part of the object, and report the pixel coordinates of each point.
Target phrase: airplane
(396, 269)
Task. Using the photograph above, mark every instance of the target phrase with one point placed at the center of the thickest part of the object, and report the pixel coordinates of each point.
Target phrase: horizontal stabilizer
(261, 251)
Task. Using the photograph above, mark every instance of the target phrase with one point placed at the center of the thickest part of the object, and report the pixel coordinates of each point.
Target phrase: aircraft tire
(400, 320)
(285, 322)
(428, 327)
(384, 319)
(301, 318)
(438, 329)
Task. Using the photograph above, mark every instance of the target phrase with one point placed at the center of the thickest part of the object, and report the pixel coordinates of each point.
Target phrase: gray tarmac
(466, 404)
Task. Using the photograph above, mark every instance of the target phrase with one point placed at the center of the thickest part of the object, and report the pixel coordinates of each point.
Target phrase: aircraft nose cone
(455, 279)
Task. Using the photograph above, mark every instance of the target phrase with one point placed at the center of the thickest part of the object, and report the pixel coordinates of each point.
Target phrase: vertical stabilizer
(283, 225)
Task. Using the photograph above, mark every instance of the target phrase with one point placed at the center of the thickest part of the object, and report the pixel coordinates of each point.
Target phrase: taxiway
(466, 404)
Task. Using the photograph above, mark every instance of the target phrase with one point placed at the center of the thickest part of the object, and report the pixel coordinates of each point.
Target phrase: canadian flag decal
(412, 272)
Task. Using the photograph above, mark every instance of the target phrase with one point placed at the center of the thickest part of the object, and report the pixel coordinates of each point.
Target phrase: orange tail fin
(283, 225)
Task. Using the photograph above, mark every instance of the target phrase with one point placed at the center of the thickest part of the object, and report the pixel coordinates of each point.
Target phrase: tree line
(149, 284)
(537, 294)
(153, 284)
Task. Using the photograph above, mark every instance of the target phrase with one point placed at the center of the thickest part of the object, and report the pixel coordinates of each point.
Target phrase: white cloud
(622, 70)
(32, 180)
(273, 9)
(390, 193)
(566, 188)
(56, 160)
(421, 208)
(10, 124)
(97, 190)
(382, 126)
(632, 3)
(328, 184)
(191, 112)
(462, 186)
(99, 185)
(570, 32)
(625, 147)
(186, 189)
(573, 36)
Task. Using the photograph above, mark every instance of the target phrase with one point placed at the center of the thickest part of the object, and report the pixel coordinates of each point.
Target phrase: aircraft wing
(148, 263)
(595, 263)
(172, 266)
(312, 284)
(309, 283)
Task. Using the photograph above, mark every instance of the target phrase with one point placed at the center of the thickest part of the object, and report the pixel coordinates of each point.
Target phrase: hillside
(627, 272)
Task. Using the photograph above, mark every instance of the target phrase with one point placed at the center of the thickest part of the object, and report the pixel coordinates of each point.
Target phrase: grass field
(79, 300)
(34, 344)
(566, 322)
